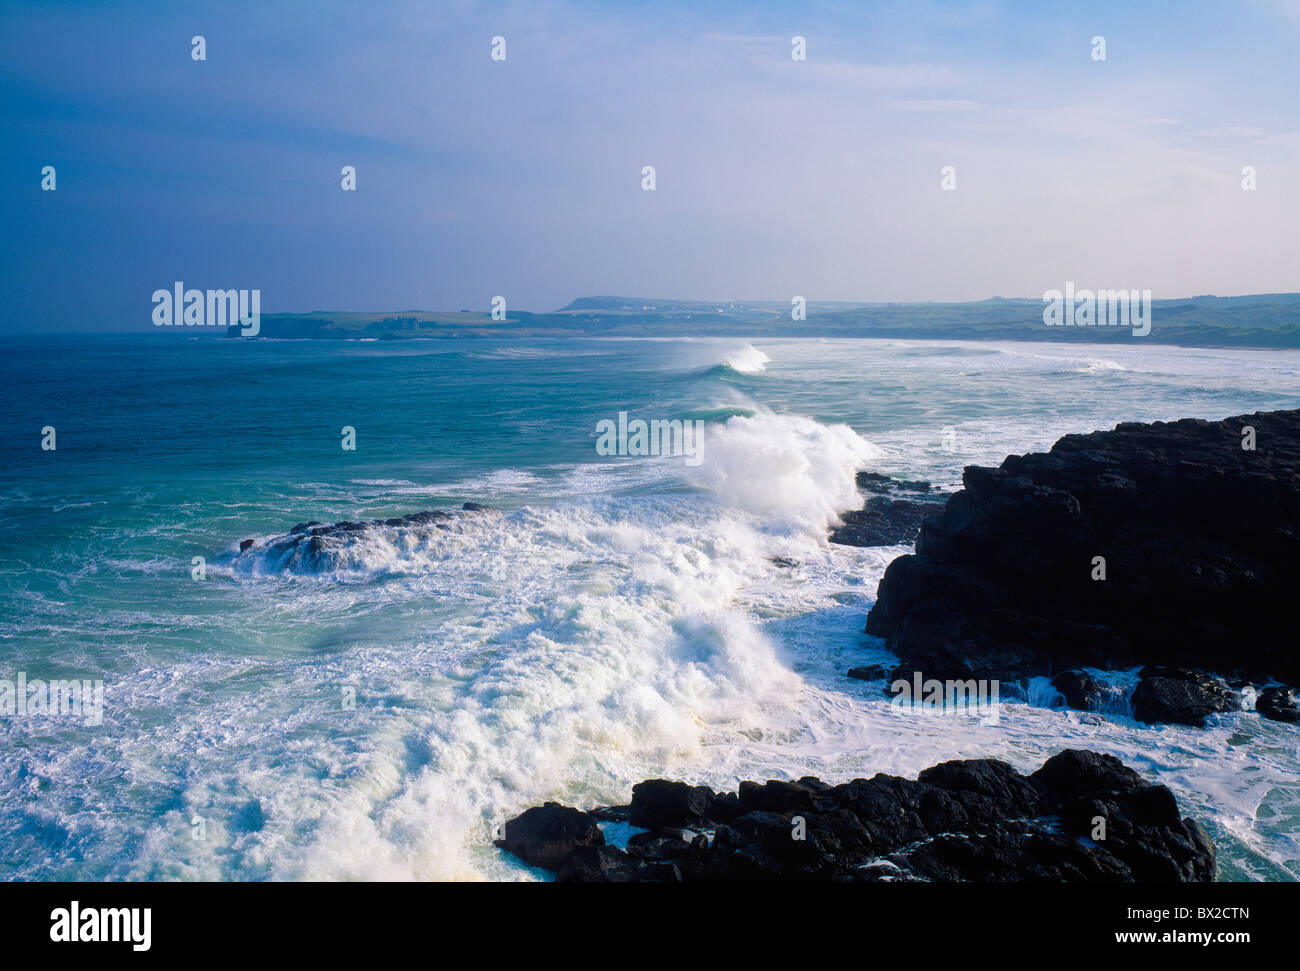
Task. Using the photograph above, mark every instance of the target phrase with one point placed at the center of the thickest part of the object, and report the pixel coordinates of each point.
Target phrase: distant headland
(1270, 320)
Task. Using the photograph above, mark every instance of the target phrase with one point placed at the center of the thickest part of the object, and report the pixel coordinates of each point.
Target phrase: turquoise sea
(622, 618)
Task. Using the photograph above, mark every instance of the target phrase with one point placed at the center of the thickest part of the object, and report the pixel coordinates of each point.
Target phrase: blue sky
(522, 178)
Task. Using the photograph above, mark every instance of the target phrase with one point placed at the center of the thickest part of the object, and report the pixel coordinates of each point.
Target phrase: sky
(522, 177)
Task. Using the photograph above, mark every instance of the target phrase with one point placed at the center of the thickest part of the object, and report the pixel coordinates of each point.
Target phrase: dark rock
(658, 802)
(725, 807)
(1154, 806)
(878, 483)
(596, 864)
(245, 544)
(1181, 695)
(426, 517)
(613, 814)
(884, 522)
(545, 835)
(1077, 772)
(990, 778)
(1279, 703)
(665, 846)
(869, 672)
(775, 796)
(478, 507)
(1201, 541)
(976, 819)
(1081, 690)
(785, 562)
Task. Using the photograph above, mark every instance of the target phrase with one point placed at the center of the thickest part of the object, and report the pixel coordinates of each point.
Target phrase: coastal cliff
(1173, 545)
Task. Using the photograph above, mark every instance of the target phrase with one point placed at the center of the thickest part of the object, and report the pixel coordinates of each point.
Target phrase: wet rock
(546, 835)
(776, 796)
(976, 820)
(991, 779)
(1201, 543)
(426, 517)
(1081, 690)
(1075, 773)
(1181, 695)
(658, 802)
(869, 672)
(319, 547)
(1279, 703)
(594, 864)
(883, 522)
(613, 814)
(877, 483)
(667, 845)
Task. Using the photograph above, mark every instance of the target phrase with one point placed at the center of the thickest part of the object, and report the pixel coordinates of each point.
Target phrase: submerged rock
(318, 547)
(878, 483)
(1167, 543)
(1082, 817)
(869, 672)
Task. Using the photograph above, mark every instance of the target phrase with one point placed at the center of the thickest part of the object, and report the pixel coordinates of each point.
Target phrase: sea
(623, 617)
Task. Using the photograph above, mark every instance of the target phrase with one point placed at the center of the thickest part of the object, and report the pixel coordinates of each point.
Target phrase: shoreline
(1023, 511)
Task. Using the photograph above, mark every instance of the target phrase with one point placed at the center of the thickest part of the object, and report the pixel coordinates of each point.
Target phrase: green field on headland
(1262, 320)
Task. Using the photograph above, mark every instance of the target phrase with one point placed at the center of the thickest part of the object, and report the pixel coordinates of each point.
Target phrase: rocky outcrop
(546, 835)
(318, 547)
(1174, 544)
(883, 522)
(1082, 817)
(1279, 703)
(1080, 690)
(1181, 695)
(892, 513)
(869, 672)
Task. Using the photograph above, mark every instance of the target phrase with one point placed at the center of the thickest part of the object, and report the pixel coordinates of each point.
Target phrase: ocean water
(621, 619)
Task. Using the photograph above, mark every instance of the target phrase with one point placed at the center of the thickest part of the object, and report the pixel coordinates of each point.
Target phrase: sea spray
(793, 469)
(747, 360)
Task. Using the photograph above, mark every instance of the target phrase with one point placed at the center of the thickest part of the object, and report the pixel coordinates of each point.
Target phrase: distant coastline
(1255, 321)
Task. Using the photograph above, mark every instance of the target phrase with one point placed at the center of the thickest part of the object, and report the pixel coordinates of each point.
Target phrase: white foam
(786, 467)
(747, 360)
(565, 651)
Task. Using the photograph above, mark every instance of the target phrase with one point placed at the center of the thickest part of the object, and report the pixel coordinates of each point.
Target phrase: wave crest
(747, 360)
(787, 467)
